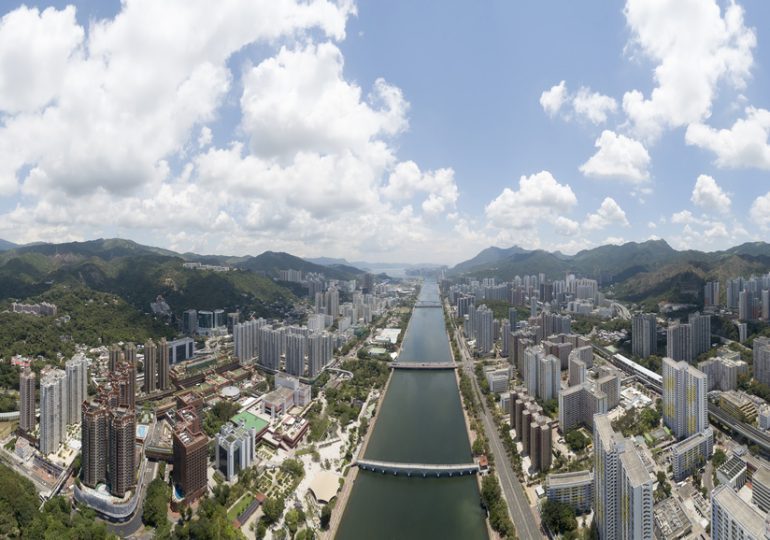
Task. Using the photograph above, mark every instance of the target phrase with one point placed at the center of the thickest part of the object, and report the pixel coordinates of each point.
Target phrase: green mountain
(271, 262)
(137, 274)
(646, 271)
(6, 245)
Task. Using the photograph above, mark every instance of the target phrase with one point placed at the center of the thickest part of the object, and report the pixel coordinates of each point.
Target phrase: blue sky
(394, 131)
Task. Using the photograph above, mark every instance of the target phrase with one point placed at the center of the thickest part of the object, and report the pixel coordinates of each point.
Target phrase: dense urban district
(147, 394)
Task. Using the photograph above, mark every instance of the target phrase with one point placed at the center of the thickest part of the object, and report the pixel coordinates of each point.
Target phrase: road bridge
(425, 470)
(423, 365)
(427, 305)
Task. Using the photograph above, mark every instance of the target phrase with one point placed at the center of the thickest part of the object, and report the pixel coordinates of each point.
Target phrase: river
(420, 421)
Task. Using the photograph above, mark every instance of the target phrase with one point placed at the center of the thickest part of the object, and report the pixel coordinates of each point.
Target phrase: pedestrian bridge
(426, 470)
(423, 365)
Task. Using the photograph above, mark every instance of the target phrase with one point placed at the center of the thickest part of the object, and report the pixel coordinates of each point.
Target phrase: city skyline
(385, 133)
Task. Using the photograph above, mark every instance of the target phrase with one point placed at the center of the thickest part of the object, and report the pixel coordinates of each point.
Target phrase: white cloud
(551, 100)
(652, 225)
(708, 195)
(128, 98)
(685, 217)
(745, 144)
(593, 106)
(614, 240)
(299, 101)
(35, 48)
(205, 137)
(717, 230)
(566, 227)
(760, 211)
(695, 47)
(618, 157)
(538, 198)
(406, 180)
(608, 214)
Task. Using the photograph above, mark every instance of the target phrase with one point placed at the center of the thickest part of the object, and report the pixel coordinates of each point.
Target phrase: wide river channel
(420, 421)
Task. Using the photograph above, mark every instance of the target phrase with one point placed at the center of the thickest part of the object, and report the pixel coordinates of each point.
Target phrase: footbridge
(426, 470)
(423, 365)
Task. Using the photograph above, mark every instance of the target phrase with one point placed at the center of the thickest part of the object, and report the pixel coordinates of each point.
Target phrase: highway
(750, 433)
(524, 519)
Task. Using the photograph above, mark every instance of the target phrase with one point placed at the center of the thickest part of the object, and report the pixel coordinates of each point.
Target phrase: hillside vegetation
(642, 272)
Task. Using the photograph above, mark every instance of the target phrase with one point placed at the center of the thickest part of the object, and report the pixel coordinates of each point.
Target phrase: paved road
(132, 526)
(518, 503)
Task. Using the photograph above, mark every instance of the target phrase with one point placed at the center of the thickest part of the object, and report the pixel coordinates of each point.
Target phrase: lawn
(239, 506)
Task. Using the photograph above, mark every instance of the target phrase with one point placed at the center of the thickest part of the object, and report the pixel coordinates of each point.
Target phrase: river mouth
(420, 421)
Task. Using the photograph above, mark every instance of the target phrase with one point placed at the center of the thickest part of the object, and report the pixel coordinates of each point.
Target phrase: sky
(396, 131)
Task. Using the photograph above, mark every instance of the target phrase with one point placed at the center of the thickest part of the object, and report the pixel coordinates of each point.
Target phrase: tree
(719, 458)
(305, 534)
(292, 520)
(294, 467)
(156, 503)
(558, 517)
(576, 440)
(272, 509)
(326, 516)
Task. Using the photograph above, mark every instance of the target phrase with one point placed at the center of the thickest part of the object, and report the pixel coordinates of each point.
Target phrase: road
(132, 526)
(518, 503)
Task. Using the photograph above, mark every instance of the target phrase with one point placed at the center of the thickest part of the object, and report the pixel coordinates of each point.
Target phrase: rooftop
(569, 478)
(740, 511)
(634, 466)
(250, 420)
(733, 467)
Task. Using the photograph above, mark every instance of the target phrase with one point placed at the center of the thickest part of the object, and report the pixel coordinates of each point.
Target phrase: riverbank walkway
(418, 469)
(423, 365)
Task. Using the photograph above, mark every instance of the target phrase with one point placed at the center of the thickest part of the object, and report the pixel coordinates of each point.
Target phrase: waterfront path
(523, 518)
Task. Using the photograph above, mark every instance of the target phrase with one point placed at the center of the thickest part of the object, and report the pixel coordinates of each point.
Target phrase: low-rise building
(690, 454)
(738, 405)
(498, 380)
(574, 489)
(733, 473)
(235, 449)
(760, 488)
(670, 520)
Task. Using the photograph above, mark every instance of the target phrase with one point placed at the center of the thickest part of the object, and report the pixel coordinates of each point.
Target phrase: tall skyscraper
(636, 498)
(319, 352)
(700, 333)
(129, 354)
(622, 487)
(53, 410)
(94, 443)
(296, 346)
(644, 335)
(27, 400)
(269, 347)
(163, 365)
(548, 377)
(191, 454)
(77, 386)
(732, 518)
(711, 294)
(685, 409)
(761, 351)
(150, 367)
(116, 356)
(122, 459)
(484, 329)
(679, 342)
(332, 302)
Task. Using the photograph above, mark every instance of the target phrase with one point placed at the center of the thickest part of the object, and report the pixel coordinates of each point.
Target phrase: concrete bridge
(423, 365)
(427, 305)
(426, 470)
